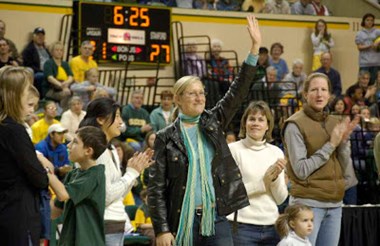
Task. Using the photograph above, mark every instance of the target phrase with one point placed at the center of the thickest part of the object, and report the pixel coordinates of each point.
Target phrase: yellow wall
(292, 31)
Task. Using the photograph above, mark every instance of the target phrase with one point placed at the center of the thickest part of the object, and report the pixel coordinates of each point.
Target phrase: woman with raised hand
(105, 114)
(195, 182)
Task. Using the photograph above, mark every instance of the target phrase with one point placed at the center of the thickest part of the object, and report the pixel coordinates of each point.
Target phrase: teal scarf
(185, 228)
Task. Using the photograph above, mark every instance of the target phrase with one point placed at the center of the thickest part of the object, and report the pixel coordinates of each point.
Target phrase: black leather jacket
(168, 176)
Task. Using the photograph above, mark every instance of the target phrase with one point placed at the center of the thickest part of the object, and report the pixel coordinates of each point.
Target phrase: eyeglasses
(51, 108)
(193, 94)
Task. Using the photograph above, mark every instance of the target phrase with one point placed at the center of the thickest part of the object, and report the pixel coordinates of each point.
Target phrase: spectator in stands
(193, 63)
(53, 148)
(373, 128)
(262, 64)
(5, 57)
(143, 220)
(219, 68)
(226, 5)
(40, 128)
(365, 113)
(262, 168)
(276, 50)
(338, 106)
(302, 7)
(297, 77)
(72, 117)
(137, 121)
(186, 4)
(320, 9)
(196, 215)
(58, 76)
(162, 116)
(33, 98)
(87, 89)
(83, 62)
(369, 57)
(124, 151)
(354, 95)
(104, 113)
(12, 47)
(276, 7)
(322, 42)
(21, 175)
(35, 55)
(230, 137)
(369, 90)
(319, 160)
(332, 74)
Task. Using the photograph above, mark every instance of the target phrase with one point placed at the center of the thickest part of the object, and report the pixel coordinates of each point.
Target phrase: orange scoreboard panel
(125, 33)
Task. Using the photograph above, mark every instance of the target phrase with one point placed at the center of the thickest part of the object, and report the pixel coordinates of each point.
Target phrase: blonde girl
(295, 225)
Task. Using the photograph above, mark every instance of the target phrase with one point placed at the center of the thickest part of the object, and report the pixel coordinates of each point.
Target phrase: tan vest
(325, 184)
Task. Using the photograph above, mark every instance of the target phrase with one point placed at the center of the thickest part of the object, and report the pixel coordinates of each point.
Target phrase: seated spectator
(253, 5)
(219, 68)
(338, 106)
(322, 42)
(297, 76)
(262, 64)
(334, 75)
(302, 7)
(87, 89)
(137, 121)
(40, 128)
(53, 148)
(99, 93)
(354, 95)
(35, 55)
(83, 62)
(186, 4)
(142, 220)
(12, 47)
(373, 128)
(162, 116)
(276, 7)
(124, 151)
(226, 5)
(58, 76)
(365, 113)
(72, 117)
(276, 50)
(230, 137)
(320, 9)
(5, 55)
(193, 64)
(369, 91)
(268, 89)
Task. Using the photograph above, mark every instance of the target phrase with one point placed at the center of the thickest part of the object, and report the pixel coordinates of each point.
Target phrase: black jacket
(168, 176)
(31, 57)
(21, 178)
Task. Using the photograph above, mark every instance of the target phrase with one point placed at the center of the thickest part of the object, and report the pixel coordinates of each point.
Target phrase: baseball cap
(39, 30)
(56, 128)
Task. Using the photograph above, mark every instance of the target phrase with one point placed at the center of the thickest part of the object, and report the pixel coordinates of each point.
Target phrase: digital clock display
(122, 32)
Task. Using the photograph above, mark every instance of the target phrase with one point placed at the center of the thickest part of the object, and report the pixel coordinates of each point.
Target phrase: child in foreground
(294, 225)
(82, 196)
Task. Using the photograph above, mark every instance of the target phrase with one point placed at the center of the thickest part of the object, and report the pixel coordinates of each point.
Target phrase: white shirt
(70, 121)
(292, 239)
(253, 159)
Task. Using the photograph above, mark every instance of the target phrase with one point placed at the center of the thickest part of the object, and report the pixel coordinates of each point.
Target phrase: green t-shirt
(83, 215)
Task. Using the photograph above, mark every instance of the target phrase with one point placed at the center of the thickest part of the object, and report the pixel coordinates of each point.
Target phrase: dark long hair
(100, 108)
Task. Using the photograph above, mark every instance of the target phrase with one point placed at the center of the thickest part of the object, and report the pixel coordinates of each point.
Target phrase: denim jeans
(326, 230)
(248, 234)
(222, 235)
(116, 239)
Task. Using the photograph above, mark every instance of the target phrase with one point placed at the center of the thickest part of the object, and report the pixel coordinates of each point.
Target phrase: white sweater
(117, 186)
(292, 239)
(253, 159)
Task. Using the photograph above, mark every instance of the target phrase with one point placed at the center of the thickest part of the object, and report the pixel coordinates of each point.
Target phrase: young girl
(295, 225)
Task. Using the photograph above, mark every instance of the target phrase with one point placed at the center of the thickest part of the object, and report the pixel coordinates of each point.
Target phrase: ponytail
(282, 225)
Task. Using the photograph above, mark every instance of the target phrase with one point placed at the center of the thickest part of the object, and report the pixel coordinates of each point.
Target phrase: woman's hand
(254, 32)
(165, 239)
(141, 160)
(273, 171)
(338, 132)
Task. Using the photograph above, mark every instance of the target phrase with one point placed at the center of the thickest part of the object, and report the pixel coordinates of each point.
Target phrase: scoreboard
(126, 33)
